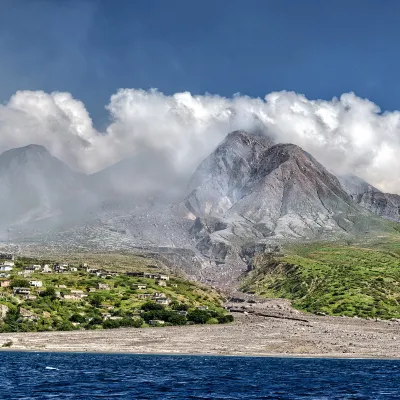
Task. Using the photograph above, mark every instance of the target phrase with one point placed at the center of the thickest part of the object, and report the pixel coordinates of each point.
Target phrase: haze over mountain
(248, 192)
(36, 185)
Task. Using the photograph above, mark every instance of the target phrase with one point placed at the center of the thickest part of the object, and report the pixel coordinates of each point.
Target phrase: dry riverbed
(249, 335)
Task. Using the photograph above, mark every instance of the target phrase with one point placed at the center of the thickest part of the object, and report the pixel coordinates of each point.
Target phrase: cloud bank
(174, 133)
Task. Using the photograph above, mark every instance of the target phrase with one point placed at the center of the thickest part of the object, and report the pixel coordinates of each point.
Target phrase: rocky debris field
(281, 333)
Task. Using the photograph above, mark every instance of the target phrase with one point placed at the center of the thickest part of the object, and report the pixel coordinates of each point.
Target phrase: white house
(9, 263)
(36, 283)
(5, 268)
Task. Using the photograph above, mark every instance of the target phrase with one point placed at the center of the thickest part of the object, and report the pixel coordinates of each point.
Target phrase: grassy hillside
(350, 278)
(82, 299)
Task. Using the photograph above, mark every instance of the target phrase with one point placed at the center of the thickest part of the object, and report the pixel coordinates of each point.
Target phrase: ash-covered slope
(386, 205)
(34, 185)
(264, 190)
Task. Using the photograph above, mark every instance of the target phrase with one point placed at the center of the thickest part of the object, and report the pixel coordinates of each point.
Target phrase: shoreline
(295, 356)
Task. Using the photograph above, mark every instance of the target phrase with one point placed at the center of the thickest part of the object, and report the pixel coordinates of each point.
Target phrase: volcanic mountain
(261, 190)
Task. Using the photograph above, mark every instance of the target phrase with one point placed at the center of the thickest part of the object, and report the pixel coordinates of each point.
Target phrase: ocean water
(111, 376)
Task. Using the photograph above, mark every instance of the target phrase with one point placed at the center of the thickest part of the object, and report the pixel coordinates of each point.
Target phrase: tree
(176, 319)
(198, 316)
(49, 292)
(150, 306)
(96, 300)
(77, 318)
(18, 282)
(179, 306)
(111, 324)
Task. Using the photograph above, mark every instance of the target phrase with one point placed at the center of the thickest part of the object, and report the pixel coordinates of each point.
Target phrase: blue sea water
(112, 376)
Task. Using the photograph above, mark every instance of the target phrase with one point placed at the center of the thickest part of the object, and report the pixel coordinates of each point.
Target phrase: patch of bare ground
(251, 334)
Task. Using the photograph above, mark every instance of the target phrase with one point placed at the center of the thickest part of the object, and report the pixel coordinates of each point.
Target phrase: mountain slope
(386, 205)
(34, 184)
(269, 190)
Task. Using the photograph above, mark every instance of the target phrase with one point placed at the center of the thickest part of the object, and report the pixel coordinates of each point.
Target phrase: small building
(158, 295)
(29, 297)
(137, 274)
(5, 268)
(163, 300)
(36, 283)
(183, 313)
(161, 283)
(150, 276)
(3, 311)
(5, 283)
(175, 285)
(156, 322)
(103, 286)
(144, 295)
(77, 291)
(28, 315)
(62, 286)
(22, 291)
(9, 263)
(47, 269)
(73, 297)
(163, 277)
(139, 286)
(36, 267)
(4, 275)
(203, 308)
(73, 269)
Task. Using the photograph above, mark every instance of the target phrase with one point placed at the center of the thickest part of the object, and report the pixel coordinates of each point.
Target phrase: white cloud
(349, 134)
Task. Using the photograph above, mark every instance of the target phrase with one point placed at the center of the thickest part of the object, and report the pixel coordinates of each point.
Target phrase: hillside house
(158, 295)
(175, 285)
(5, 268)
(203, 308)
(4, 275)
(29, 297)
(161, 283)
(77, 292)
(150, 276)
(5, 283)
(62, 286)
(156, 322)
(74, 297)
(103, 286)
(28, 315)
(163, 301)
(73, 269)
(139, 287)
(144, 296)
(162, 277)
(37, 267)
(47, 269)
(36, 283)
(137, 274)
(3, 311)
(21, 291)
(183, 313)
(6, 256)
(9, 263)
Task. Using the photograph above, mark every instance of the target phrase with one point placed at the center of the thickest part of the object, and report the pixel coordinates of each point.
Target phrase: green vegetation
(78, 298)
(350, 278)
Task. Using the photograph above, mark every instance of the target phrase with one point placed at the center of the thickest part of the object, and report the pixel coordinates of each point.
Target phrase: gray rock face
(264, 190)
(386, 205)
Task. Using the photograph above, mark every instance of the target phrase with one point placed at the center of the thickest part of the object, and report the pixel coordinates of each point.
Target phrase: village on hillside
(36, 296)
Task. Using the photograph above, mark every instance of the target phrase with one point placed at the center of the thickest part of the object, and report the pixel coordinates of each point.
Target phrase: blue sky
(92, 48)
